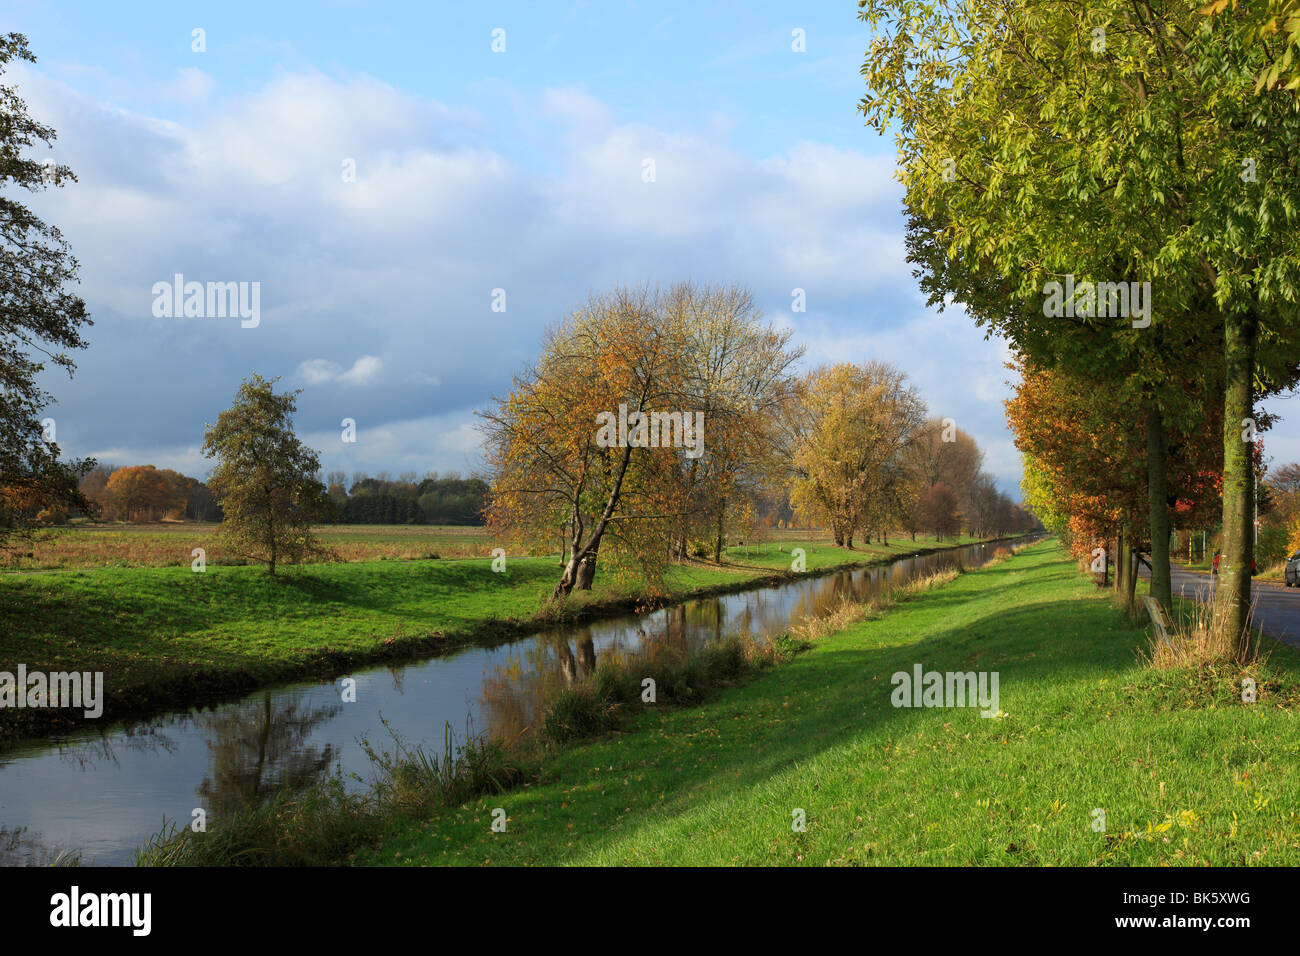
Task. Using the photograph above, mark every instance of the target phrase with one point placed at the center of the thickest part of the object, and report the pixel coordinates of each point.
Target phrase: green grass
(776, 554)
(169, 637)
(1186, 773)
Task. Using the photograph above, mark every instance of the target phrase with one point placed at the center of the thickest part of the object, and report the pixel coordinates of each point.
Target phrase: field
(169, 544)
(1096, 758)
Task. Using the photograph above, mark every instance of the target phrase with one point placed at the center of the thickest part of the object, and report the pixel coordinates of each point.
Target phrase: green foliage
(577, 712)
(38, 313)
(1271, 545)
(265, 478)
(318, 828)
(616, 690)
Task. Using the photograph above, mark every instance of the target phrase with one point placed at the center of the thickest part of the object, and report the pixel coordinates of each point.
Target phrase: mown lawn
(776, 553)
(1185, 772)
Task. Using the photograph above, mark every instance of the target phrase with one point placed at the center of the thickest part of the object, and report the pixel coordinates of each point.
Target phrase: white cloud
(320, 371)
(191, 84)
(363, 371)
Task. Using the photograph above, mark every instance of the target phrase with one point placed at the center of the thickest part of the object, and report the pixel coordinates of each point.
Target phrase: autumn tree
(849, 428)
(942, 453)
(38, 314)
(265, 478)
(1086, 462)
(736, 371)
(146, 493)
(937, 510)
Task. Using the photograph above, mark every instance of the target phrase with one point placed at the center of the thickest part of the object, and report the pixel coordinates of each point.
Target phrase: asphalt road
(1277, 608)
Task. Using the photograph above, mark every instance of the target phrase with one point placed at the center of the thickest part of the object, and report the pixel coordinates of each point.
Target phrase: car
(1292, 574)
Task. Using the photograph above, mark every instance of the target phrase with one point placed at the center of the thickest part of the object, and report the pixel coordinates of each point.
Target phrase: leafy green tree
(265, 478)
(37, 314)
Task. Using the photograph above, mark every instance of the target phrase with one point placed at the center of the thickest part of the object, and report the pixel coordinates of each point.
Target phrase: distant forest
(449, 499)
(143, 493)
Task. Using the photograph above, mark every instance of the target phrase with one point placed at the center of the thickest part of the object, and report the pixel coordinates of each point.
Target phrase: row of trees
(865, 459)
(146, 493)
(850, 448)
(143, 493)
(1121, 142)
(449, 499)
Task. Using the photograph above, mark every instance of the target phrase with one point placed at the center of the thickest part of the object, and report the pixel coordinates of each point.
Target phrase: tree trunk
(587, 569)
(1232, 595)
(1132, 580)
(1120, 579)
(1158, 506)
(717, 544)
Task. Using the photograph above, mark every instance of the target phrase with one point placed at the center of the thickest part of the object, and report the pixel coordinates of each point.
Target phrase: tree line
(843, 447)
(446, 500)
(144, 493)
(1134, 156)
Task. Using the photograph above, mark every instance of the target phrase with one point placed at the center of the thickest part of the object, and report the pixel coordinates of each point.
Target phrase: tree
(265, 479)
(1095, 458)
(937, 510)
(557, 470)
(602, 442)
(146, 493)
(37, 314)
(850, 428)
(945, 455)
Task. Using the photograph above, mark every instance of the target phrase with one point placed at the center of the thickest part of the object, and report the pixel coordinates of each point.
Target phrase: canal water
(102, 793)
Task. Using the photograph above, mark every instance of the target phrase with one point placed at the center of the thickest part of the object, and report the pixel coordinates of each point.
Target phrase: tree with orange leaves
(603, 441)
(1090, 459)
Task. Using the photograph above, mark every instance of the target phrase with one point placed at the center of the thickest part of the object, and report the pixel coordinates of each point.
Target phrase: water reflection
(105, 792)
(261, 748)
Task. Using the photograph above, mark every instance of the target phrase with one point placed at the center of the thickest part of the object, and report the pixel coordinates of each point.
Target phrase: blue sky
(475, 170)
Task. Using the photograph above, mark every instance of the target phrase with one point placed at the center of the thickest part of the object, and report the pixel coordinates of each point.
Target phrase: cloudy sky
(521, 170)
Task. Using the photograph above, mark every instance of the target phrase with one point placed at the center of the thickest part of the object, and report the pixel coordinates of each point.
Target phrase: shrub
(576, 712)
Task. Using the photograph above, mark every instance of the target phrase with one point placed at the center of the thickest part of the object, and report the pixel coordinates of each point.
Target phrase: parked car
(1292, 573)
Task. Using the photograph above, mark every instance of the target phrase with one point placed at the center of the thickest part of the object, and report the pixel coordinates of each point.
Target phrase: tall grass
(415, 780)
(325, 825)
(850, 611)
(676, 677)
(1193, 642)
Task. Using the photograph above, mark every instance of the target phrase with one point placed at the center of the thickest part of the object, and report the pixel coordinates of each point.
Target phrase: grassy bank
(167, 637)
(1185, 773)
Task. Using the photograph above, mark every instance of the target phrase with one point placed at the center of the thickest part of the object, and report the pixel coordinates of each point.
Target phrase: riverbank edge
(210, 687)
